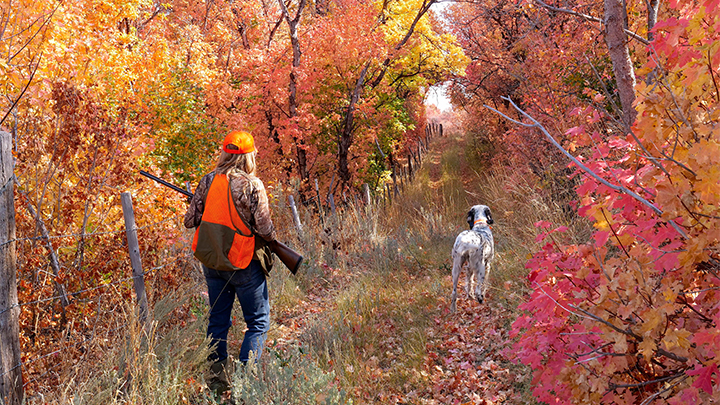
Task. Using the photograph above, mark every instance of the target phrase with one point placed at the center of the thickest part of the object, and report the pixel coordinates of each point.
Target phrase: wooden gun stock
(290, 258)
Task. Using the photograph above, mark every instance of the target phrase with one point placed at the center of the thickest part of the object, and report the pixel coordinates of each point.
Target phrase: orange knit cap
(242, 140)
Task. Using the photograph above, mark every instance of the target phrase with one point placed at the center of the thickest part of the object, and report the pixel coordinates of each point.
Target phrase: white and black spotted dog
(476, 248)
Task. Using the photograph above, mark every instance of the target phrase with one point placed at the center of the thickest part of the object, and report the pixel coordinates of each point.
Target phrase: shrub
(286, 377)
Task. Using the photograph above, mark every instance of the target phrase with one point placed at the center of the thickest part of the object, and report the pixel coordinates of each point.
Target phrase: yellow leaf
(647, 348)
(15, 78)
(620, 345)
(652, 320)
(669, 295)
(677, 338)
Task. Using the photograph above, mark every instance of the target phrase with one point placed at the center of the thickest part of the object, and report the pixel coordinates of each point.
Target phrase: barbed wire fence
(40, 364)
(12, 365)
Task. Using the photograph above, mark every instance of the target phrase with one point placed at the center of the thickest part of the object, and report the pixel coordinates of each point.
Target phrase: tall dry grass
(379, 276)
(161, 363)
(394, 259)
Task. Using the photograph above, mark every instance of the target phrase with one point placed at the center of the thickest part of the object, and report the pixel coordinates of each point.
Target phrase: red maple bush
(631, 316)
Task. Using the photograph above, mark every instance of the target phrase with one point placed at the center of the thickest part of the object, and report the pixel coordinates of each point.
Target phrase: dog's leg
(487, 275)
(469, 278)
(457, 266)
(479, 268)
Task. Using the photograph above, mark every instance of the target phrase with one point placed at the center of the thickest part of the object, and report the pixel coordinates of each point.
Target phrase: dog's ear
(471, 217)
(488, 216)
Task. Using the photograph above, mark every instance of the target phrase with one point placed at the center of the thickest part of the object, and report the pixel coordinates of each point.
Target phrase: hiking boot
(217, 379)
(218, 387)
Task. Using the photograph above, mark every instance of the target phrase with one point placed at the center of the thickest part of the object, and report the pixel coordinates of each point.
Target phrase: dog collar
(482, 221)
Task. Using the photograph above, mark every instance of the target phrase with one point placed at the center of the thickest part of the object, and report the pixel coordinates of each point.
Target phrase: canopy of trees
(96, 90)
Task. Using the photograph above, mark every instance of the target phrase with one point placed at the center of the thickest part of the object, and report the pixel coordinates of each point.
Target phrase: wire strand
(83, 235)
(73, 294)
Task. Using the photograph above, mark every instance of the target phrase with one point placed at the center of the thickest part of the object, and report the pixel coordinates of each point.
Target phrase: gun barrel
(166, 184)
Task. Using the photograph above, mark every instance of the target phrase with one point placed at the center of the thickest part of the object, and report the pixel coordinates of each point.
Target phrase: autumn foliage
(631, 316)
(97, 90)
(333, 92)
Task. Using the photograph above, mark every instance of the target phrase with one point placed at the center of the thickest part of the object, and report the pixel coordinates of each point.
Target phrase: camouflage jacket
(253, 207)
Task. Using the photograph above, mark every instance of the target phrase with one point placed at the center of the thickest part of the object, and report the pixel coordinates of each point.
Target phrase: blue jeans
(250, 287)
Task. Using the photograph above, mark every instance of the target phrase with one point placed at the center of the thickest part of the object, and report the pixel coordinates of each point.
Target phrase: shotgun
(290, 258)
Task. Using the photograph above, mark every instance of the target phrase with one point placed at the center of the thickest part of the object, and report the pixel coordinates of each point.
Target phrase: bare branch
(670, 355)
(159, 8)
(538, 125)
(594, 350)
(590, 18)
(602, 210)
(699, 291)
(627, 332)
(712, 74)
(662, 391)
(644, 383)
(24, 89)
(35, 34)
(539, 287)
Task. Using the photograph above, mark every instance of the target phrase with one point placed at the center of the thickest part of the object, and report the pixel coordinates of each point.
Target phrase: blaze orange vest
(222, 241)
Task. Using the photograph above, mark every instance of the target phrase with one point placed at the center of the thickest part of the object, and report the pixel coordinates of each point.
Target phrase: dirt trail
(466, 352)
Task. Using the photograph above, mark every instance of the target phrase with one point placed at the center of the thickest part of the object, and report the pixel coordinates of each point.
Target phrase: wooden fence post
(134, 248)
(331, 200)
(410, 168)
(330, 197)
(393, 175)
(11, 385)
(319, 204)
(296, 217)
(366, 192)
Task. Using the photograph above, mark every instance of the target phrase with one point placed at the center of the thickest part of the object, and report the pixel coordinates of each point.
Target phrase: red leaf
(543, 224)
(601, 237)
(704, 377)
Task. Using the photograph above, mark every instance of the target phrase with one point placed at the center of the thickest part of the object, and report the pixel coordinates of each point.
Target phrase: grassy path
(467, 354)
(377, 315)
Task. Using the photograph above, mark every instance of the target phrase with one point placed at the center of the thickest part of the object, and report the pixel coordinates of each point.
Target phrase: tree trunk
(292, 87)
(11, 385)
(348, 127)
(653, 6)
(616, 39)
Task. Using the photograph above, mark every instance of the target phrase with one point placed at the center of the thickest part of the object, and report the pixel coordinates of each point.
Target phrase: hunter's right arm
(194, 213)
